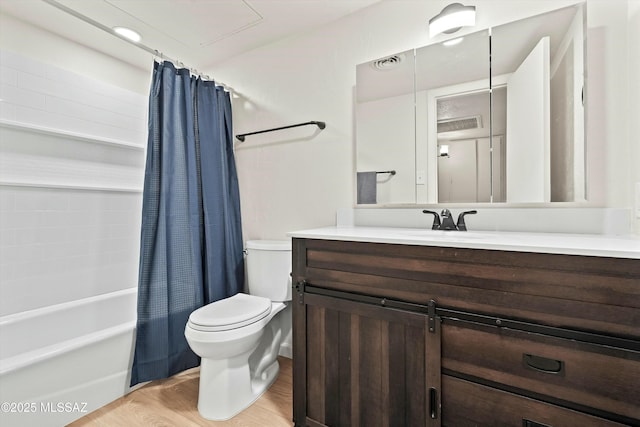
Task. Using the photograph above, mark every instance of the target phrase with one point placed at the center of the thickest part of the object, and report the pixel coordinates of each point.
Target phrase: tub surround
(551, 243)
(71, 173)
(77, 351)
(450, 328)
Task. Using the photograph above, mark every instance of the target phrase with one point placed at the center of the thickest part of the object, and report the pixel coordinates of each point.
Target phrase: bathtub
(59, 363)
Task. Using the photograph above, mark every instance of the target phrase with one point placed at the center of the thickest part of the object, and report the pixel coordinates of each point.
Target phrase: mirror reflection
(467, 170)
(385, 123)
(542, 62)
(459, 129)
(453, 120)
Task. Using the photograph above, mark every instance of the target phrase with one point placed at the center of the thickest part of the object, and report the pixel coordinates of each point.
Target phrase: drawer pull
(543, 364)
(529, 423)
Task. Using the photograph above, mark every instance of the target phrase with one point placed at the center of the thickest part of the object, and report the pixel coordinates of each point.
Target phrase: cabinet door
(364, 365)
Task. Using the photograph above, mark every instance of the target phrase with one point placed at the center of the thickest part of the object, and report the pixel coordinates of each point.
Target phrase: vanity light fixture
(452, 18)
(128, 33)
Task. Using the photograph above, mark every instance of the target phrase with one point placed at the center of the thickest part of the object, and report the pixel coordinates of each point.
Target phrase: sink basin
(442, 234)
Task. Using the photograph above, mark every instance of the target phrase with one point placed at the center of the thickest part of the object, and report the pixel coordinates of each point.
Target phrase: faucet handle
(461, 224)
(436, 219)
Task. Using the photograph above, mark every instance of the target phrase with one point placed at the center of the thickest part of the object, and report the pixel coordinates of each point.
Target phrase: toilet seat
(230, 313)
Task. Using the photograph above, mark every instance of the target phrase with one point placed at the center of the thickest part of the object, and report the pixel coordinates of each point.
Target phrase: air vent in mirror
(457, 124)
(388, 63)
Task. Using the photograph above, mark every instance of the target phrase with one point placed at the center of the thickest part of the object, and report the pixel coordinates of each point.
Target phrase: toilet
(238, 338)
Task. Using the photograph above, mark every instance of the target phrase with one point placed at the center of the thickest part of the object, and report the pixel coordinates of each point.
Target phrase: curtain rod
(321, 125)
(142, 46)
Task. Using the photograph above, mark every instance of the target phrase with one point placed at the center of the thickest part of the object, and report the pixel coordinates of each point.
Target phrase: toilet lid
(230, 313)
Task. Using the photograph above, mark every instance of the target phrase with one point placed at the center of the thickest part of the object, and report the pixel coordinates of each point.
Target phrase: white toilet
(238, 338)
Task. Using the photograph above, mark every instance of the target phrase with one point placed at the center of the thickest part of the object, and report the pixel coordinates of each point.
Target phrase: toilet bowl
(238, 338)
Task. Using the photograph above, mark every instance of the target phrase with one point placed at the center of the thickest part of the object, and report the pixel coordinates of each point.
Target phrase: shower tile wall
(60, 245)
(69, 206)
(44, 95)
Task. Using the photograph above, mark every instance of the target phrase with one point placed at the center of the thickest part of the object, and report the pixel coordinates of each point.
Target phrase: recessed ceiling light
(128, 33)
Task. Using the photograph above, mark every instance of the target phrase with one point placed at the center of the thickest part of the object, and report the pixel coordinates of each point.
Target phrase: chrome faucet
(447, 220)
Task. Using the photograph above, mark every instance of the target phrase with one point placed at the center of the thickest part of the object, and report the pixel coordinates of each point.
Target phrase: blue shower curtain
(191, 239)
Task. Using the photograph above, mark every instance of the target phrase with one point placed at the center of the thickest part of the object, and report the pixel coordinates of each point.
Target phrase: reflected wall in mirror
(385, 125)
(464, 130)
(543, 61)
(470, 164)
(453, 111)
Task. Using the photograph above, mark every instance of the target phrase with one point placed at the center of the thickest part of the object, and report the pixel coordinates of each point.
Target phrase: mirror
(494, 116)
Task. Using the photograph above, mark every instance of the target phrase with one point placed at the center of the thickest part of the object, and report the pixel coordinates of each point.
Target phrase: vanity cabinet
(391, 334)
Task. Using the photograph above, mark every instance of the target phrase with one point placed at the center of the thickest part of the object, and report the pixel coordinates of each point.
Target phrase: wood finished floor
(173, 402)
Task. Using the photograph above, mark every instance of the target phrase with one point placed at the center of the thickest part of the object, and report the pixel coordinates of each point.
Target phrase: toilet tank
(269, 269)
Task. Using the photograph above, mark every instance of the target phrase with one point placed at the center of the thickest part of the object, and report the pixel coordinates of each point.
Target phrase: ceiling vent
(458, 124)
(388, 63)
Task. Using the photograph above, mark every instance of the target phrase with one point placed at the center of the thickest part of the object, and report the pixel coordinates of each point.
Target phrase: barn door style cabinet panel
(366, 364)
(410, 335)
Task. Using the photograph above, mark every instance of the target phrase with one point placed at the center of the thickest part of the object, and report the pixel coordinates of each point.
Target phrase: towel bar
(320, 125)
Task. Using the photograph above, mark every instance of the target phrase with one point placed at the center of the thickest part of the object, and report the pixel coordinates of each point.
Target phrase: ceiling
(199, 33)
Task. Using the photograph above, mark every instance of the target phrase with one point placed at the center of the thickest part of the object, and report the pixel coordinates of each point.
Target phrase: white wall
(290, 183)
(634, 106)
(382, 123)
(608, 162)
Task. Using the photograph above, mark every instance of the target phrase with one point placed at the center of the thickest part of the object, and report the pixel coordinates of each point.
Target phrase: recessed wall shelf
(69, 186)
(28, 127)
(36, 156)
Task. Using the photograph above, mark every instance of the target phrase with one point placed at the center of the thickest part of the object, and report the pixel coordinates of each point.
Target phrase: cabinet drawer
(468, 404)
(595, 294)
(563, 371)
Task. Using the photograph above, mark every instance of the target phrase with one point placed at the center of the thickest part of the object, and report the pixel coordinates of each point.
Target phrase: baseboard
(286, 350)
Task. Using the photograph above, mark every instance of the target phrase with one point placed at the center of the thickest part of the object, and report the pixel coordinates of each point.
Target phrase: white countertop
(554, 243)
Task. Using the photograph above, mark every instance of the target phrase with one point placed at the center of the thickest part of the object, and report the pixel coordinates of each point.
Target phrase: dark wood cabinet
(577, 373)
(366, 365)
(388, 334)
